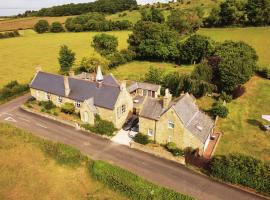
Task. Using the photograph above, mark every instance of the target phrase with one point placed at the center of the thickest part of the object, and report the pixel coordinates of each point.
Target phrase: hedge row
(9, 34)
(243, 170)
(11, 90)
(130, 184)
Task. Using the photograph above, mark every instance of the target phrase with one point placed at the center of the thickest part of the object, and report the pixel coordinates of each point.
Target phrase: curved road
(157, 170)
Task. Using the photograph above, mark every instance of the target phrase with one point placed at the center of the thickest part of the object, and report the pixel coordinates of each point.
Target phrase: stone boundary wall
(167, 155)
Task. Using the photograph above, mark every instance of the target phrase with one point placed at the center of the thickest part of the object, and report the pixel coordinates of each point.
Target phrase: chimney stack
(66, 85)
(38, 69)
(99, 76)
(71, 74)
(123, 86)
(167, 98)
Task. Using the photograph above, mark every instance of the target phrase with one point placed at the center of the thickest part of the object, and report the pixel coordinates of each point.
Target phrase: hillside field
(26, 173)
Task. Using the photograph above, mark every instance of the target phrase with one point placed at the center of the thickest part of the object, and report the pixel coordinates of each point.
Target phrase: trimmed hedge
(9, 34)
(130, 184)
(12, 90)
(142, 139)
(243, 170)
(68, 108)
(171, 147)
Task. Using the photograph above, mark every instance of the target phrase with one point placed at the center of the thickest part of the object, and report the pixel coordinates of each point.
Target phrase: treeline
(103, 6)
(9, 34)
(95, 22)
(12, 90)
(240, 13)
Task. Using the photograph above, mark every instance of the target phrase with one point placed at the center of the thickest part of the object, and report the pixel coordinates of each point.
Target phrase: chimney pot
(167, 98)
(66, 85)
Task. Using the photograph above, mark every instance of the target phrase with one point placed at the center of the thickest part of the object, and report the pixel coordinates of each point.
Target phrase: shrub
(102, 127)
(225, 97)
(12, 89)
(42, 26)
(56, 27)
(219, 110)
(142, 139)
(47, 105)
(264, 72)
(68, 108)
(130, 184)
(171, 147)
(9, 34)
(62, 153)
(241, 169)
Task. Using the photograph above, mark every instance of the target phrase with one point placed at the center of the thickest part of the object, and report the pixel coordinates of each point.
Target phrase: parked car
(131, 122)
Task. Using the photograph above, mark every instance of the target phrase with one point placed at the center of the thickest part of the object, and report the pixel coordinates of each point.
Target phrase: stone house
(144, 89)
(179, 121)
(103, 95)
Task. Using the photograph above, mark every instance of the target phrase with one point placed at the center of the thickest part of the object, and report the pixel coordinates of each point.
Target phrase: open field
(242, 133)
(136, 70)
(25, 23)
(27, 174)
(257, 37)
(20, 56)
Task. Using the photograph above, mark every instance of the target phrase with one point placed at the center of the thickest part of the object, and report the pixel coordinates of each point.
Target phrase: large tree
(237, 64)
(154, 41)
(258, 12)
(195, 48)
(154, 15)
(42, 26)
(66, 58)
(105, 44)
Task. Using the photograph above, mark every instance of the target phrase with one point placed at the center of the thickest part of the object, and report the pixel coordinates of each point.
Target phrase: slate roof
(197, 122)
(81, 90)
(145, 86)
(110, 80)
(152, 108)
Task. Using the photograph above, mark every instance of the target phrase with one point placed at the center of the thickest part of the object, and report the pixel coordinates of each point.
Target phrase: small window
(77, 104)
(48, 96)
(59, 99)
(123, 109)
(144, 92)
(170, 125)
(150, 132)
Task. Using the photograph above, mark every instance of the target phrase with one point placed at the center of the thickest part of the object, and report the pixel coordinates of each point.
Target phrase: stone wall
(145, 124)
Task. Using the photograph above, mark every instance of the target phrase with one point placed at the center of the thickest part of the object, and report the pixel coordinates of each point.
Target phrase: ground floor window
(59, 99)
(170, 125)
(150, 132)
(121, 110)
(77, 104)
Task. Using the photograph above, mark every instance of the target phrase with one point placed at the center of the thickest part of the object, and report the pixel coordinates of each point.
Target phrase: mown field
(26, 173)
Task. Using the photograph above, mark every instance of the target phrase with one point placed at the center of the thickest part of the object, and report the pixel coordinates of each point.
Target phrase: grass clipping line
(118, 179)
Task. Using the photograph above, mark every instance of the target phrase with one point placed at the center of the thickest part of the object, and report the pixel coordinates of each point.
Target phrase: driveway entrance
(122, 137)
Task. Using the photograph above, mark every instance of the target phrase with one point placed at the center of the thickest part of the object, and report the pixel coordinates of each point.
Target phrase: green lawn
(26, 173)
(257, 37)
(20, 56)
(241, 129)
(137, 69)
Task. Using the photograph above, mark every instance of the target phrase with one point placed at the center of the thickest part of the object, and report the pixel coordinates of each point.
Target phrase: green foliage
(42, 26)
(66, 58)
(102, 127)
(142, 139)
(242, 169)
(153, 15)
(173, 81)
(154, 75)
(9, 34)
(103, 6)
(171, 147)
(219, 110)
(56, 27)
(264, 72)
(47, 105)
(258, 12)
(154, 41)
(184, 22)
(225, 97)
(122, 57)
(105, 44)
(237, 64)
(203, 72)
(90, 64)
(12, 90)
(195, 49)
(62, 153)
(68, 108)
(130, 184)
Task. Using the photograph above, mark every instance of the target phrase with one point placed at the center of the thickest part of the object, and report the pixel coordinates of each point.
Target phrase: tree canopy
(105, 44)
(42, 26)
(66, 58)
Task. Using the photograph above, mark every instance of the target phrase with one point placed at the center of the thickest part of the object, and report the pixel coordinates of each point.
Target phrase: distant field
(20, 56)
(26, 173)
(242, 133)
(25, 23)
(136, 70)
(259, 38)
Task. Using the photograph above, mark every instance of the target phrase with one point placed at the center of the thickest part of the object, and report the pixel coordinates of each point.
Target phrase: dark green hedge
(130, 184)
(11, 90)
(243, 170)
(9, 34)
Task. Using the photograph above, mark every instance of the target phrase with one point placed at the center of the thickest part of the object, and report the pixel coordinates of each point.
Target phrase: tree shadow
(255, 122)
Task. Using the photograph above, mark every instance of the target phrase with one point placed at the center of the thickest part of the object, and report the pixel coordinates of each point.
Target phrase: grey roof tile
(152, 108)
(145, 86)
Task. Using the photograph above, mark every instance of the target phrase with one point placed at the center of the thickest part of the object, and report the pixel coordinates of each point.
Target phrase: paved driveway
(122, 138)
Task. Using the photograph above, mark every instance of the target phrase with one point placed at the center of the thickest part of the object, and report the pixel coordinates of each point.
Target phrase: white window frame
(48, 96)
(150, 132)
(59, 99)
(77, 104)
(123, 109)
(170, 125)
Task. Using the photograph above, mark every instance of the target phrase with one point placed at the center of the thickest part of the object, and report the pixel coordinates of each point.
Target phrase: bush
(11, 90)
(130, 184)
(225, 97)
(219, 110)
(42, 26)
(47, 105)
(238, 91)
(102, 127)
(264, 72)
(68, 108)
(62, 153)
(9, 34)
(56, 27)
(105, 44)
(241, 169)
(171, 147)
(142, 139)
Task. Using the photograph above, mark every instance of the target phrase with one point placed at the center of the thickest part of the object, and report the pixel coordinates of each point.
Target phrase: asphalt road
(157, 170)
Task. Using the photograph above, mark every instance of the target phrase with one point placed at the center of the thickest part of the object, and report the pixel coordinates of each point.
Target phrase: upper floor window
(48, 96)
(150, 132)
(77, 104)
(170, 125)
(123, 109)
(59, 99)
